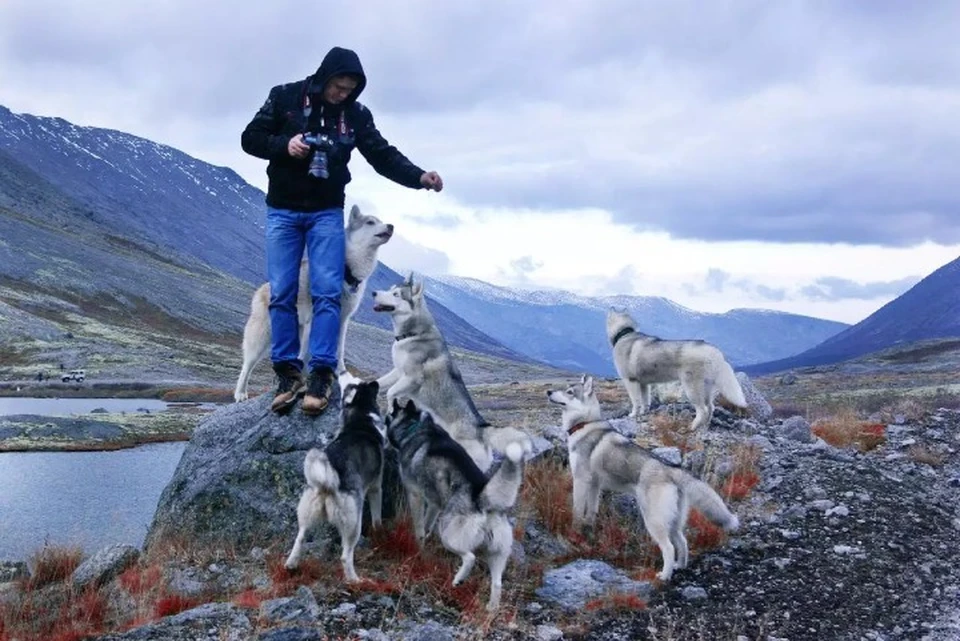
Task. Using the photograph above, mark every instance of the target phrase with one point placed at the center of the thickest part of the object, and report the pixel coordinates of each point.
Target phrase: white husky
(603, 459)
(643, 360)
(364, 237)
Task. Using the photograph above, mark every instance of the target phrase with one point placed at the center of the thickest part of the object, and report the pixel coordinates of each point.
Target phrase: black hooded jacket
(282, 117)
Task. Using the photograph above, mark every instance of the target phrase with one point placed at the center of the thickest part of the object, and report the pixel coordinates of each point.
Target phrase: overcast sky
(791, 155)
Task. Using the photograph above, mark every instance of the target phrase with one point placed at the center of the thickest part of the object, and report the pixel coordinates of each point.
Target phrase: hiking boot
(319, 389)
(290, 385)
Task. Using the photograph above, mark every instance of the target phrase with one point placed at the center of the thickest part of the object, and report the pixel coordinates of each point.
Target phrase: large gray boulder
(104, 565)
(240, 477)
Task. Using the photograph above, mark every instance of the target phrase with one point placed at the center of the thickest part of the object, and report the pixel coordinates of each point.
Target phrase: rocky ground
(836, 543)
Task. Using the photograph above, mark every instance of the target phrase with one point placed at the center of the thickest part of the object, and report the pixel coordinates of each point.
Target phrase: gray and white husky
(603, 459)
(348, 470)
(424, 371)
(364, 236)
(445, 487)
(643, 360)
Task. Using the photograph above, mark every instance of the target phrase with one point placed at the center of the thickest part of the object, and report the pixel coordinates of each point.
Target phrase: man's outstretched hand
(431, 180)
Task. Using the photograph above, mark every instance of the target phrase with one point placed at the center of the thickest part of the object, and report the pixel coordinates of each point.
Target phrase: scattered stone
(788, 379)
(549, 633)
(844, 550)
(839, 510)
(797, 428)
(669, 455)
(572, 585)
(104, 565)
(759, 407)
(293, 634)
(210, 622)
(822, 504)
(302, 607)
(694, 593)
(344, 610)
(12, 570)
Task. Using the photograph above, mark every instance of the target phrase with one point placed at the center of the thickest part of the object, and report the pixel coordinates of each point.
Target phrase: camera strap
(308, 109)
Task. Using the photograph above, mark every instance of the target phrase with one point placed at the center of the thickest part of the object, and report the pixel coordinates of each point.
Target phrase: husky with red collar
(601, 458)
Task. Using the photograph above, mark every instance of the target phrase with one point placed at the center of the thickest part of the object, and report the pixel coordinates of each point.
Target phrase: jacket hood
(337, 62)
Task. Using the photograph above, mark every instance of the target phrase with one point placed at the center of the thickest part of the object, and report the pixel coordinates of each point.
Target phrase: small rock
(844, 550)
(293, 634)
(12, 570)
(788, 379)
(693, 593)
(669, 455)
(907, 442)
(302, 607)
(759, 407)
(370, 635)
(822, 504)
(573, 584)
(104, 565)
(344, 610)
(797, 428)
(534, 608)
(549, 633)
(840, 510)
(790, 535)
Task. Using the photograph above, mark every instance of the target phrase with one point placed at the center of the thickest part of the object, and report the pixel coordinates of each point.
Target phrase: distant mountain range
(568, 331)
(928, 310)
(99, 220)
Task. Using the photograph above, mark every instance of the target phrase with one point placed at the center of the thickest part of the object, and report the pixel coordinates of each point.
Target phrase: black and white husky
(342, 475)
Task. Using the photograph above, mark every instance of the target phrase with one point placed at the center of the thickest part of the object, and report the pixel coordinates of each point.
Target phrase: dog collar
(403, 336)
(623, 332)
(352, 281)
(576, 428)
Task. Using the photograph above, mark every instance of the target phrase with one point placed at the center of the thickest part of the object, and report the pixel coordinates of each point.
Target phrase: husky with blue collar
(446, 490)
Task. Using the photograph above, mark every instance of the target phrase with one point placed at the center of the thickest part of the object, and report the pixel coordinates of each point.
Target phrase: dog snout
(390, 228)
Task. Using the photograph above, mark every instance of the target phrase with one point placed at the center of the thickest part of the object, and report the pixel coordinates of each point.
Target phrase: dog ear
(349, 392)
(411, 406)
(408, 279)
(417, 289)
(588, 386)
(583, 379)
(374, 386)
(396, 406)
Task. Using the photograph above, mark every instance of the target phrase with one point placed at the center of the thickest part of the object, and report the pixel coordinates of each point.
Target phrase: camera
(321, 144)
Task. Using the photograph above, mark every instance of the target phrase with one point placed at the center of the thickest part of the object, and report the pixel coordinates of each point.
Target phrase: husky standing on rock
(424, 370)
(444, 486)
(603, 459)
(364, 236)
(340, 476)
(643, 360)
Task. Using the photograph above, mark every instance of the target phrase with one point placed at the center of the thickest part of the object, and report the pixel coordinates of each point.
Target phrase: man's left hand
(431, 180)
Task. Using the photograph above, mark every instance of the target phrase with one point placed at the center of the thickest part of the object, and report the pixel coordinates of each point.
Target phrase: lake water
(68, 406)
(90, 499)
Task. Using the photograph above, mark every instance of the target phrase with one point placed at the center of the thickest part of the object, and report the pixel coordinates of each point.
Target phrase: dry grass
(675, 431)
(52, 564)
(846, 429)
(745, 474)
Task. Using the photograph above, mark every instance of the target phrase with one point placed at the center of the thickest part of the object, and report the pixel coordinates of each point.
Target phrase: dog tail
(500, 492)
(729, 386)
(704, 498)
(319, 473)
(500, 438)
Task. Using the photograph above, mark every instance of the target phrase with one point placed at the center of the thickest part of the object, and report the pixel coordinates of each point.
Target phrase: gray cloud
(793, 122)
(831, 289)
(441, 221)
(402, 255)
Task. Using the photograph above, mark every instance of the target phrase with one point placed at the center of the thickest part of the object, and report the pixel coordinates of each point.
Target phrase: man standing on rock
(307, 130)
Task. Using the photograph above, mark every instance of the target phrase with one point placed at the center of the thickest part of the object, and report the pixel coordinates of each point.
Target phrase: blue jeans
(321, 233)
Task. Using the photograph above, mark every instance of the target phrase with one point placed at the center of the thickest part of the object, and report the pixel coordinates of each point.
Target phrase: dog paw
(664, 576)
